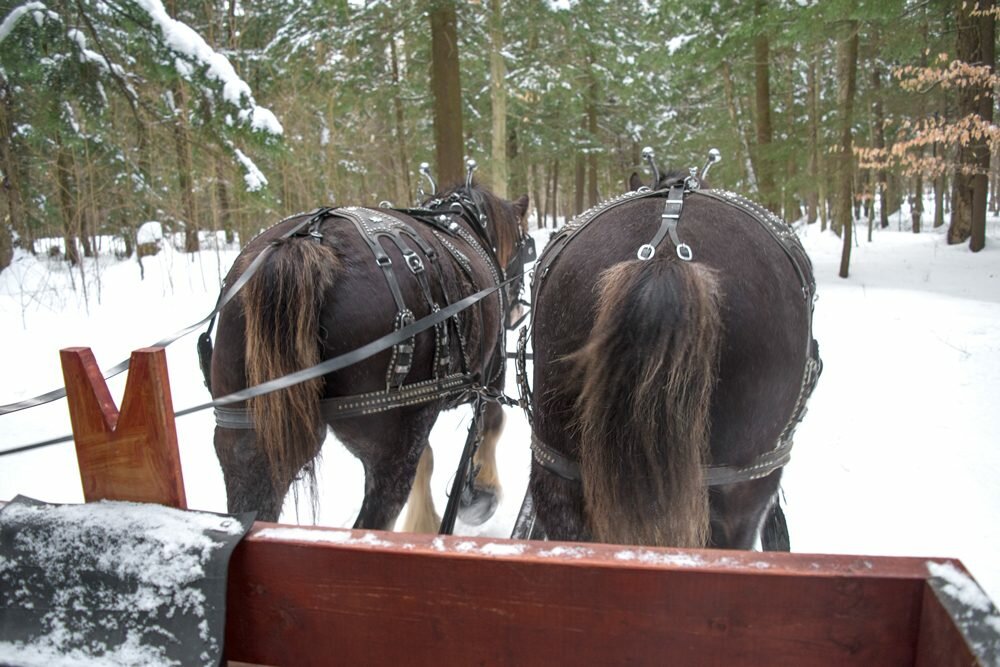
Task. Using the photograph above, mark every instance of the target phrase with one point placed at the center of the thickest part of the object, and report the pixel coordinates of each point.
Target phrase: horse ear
(521, 206)
(633, 182)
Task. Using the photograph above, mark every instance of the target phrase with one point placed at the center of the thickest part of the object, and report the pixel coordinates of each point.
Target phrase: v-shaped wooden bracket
(127, 455)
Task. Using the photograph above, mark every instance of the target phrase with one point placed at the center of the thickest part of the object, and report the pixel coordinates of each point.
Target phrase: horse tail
(281, 305)
(646, 374)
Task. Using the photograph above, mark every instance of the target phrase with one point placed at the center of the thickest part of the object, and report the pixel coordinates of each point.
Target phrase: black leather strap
(354, 356)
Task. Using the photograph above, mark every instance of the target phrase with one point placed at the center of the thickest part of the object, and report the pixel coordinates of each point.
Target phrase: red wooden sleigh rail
(300, 596)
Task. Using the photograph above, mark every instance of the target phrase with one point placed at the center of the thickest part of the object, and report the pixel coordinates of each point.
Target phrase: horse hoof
(477, 505)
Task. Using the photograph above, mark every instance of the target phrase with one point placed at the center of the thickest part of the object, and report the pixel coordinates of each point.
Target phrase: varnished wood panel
(414, 600)
(127, 455)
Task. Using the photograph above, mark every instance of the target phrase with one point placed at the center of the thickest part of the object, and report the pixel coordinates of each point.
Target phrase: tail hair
(646, 375)
(282, 306)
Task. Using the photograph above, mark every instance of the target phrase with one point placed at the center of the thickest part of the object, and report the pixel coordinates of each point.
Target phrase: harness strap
(715, 475)
(554, 461)
(342, 407)
(372, 226)
(672, 208)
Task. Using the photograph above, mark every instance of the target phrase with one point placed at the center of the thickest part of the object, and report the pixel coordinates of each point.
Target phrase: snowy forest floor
(899, 453)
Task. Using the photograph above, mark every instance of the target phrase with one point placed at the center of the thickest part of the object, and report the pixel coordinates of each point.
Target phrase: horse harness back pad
(715, 475)
(374, 225)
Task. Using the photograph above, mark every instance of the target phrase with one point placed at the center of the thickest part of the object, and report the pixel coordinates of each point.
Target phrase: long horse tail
(282, 310)
(646, 374)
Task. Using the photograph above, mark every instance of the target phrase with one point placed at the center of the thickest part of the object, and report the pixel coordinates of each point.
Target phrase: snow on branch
(252, 176)
(183, 40)
(16, 14)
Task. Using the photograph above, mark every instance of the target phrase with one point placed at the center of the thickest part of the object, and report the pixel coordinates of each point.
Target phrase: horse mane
(503, 221)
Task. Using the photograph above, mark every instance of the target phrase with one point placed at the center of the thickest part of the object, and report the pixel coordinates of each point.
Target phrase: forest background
(230, 114)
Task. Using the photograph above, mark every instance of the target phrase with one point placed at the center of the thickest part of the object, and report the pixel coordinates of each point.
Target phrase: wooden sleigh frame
(299, 596)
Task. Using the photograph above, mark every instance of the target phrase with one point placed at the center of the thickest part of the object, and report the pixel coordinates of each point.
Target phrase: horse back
(765, 313)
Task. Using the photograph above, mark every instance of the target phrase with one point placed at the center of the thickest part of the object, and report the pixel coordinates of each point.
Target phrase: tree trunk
(812, 101)
(592, 194)
(185, 169)
(790, 200)
(15, 220)
(745, 172)
(498, 98)
(536, 187)
(404, 186)
(847, 74)
(974, 45)
(764, 162)
(939, 188)
(555, 193)
(64, 180)
(581, 176)
(446, 90)
(878, 139)
(986, 24)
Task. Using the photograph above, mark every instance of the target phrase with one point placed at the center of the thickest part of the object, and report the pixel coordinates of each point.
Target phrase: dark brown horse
(668, 378)
(350, 276)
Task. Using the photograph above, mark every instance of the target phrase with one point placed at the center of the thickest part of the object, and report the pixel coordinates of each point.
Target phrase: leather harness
(374, 225)
(675, 193)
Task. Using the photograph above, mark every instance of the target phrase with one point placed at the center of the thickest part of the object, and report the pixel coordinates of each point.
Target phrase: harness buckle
(684, 252)
(383, 260)
(413, 262)
(646, 251)
(672, 208)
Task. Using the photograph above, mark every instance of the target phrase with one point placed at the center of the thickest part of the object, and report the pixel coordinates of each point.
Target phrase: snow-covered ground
(899, 453)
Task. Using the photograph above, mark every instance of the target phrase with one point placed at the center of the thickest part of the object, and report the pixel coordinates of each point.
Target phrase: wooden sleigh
(300, 596)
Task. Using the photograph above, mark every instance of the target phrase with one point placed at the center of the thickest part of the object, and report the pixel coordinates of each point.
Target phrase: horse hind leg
(250, 486)
(421, 516)
(481, 496)
(390, 457)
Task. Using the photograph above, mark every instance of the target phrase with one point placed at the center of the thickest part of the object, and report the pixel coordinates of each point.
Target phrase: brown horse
(673, 355)
(350, 276)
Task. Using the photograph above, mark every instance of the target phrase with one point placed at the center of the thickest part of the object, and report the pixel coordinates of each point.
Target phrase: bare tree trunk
(404, 186)
(185, 169)
(812, 102)
(592, 194)
(536, 186)
(498, 97)
(939, 188)
(446, 89)
(974, 45)
(15, 222)
(64, 180)
(581, 175)
(746, 175)
(764, 162)
(986, 23)
(878, 139)
(555, 193)
(848, 66)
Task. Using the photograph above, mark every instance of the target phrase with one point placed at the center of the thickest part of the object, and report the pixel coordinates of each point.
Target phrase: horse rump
(645, 376)
(281, 305)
